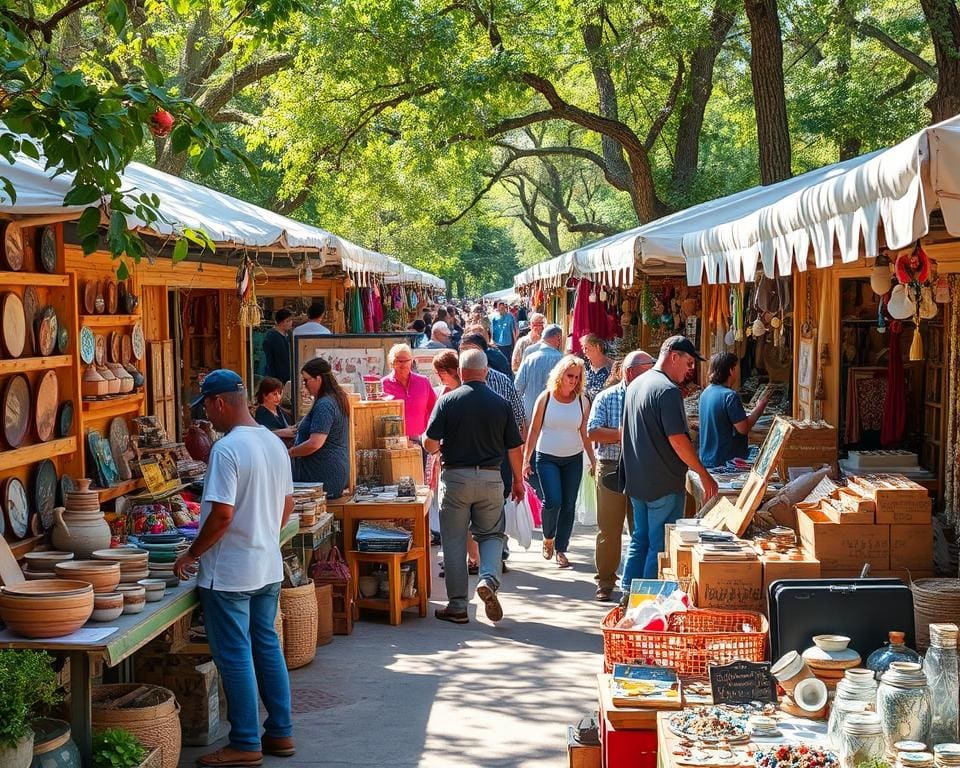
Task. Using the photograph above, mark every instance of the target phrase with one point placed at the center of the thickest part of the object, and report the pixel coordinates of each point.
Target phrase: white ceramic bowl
(787, 666)
(810, 695)
(831, 643)
(155, 589)
(107, 614)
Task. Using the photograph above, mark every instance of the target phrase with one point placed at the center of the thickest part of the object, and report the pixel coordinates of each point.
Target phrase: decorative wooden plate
(48, 326)
(48, 249)
(126, 349)
(12, 246)
(120, 446)
(13, 324)
(45, 493)
(88, 345)
(111, 297)
(16, 410)
(101, 349)
(90, 296)
(63, 339)
(45, 411)
(99, 302)
(115, 342)
(16, 507)
(31, 306)
(65, 418)
(138, 343)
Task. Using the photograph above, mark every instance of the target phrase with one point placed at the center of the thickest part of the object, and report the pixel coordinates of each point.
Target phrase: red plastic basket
(695, 640)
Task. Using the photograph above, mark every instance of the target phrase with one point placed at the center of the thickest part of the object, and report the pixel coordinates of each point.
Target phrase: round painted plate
(65, 418)
(16, 507)
(67, 485)
(88, 345)
(100, 354)
(119, 436)
(12, 246)
(126, 349)
(115, 343)
(63, 339)
(139, 345)
(90, 296)
(31, 306)
(13, 325)
(48, 399)
(45, 492)
(48, 249)
(16, 410)
(111, 297)
(47, 328)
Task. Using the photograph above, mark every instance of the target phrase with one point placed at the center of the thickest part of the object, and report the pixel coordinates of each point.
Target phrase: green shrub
(27, 679)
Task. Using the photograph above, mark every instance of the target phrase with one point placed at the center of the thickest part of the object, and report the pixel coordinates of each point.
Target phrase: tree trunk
(694, 106)
(770, 102)
(944, 22)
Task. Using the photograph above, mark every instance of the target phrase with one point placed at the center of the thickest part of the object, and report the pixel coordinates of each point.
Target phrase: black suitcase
(864, 610)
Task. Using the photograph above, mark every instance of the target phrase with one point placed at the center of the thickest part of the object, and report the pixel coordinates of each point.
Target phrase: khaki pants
(612, 509)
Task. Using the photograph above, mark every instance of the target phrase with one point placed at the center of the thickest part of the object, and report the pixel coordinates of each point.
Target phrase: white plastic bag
(586, 509)
(519, 522)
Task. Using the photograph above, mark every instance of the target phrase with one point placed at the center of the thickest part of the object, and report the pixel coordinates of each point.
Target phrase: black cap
(681, 344)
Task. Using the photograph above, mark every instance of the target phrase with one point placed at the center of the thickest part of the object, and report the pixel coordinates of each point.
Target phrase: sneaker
(445, 614)
(491, 602)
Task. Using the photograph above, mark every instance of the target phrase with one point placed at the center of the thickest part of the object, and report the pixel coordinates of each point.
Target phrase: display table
(132, 633)
(350, 513)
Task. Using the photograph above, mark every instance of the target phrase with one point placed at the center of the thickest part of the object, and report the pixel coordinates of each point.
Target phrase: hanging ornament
(916, 346)
(900, 305)
(603, 294)
(928, 307)
(913, 267)
(880, 279)
(758, 328)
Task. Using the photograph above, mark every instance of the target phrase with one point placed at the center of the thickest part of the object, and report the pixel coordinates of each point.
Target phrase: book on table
(640, 685)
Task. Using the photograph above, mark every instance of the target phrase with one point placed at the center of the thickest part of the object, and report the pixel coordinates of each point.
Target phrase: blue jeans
(245, 647)
(649, 518)
(560, 477)
(470, 498)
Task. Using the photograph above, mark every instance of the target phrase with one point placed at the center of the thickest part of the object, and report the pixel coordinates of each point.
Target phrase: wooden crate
(399, 463)
(363, 417)
(809, 444)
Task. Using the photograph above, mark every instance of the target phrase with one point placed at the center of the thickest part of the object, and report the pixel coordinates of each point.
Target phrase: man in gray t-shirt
(656, 453)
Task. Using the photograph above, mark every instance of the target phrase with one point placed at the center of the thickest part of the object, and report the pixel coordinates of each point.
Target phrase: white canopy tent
(508, 295)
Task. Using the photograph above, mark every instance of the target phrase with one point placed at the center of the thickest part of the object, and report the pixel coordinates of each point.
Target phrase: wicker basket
(696, 639)
(156, 725)
(299, 606)
(324, 613)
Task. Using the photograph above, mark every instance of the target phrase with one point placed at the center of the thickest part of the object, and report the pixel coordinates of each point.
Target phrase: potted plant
(117, 748)
(27, 680)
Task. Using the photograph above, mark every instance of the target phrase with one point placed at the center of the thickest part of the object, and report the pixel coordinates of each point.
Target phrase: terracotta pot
(101, 575)
(41, 562)
(40, 617)
(19, 756)
(80, 535)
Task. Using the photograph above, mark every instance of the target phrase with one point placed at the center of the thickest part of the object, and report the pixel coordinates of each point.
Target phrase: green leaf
(89, 221)
(91, 243)
(180, 251)
(122, 272)
(151, 70)
(9, 189)
(30, 149)
(118, 225)
(208, 161)
(180, 138)
(82, 194)
(116, 15)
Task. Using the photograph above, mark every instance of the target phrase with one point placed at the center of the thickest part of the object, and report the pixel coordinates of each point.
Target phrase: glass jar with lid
(904, 704)
(840, 711)
(940, 667)
(893, 650)
(861, 740)
(856, 693)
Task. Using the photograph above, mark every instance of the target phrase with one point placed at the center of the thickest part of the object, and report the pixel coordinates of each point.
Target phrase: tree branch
(227, 115)
(479, 196)
(661, 119)
(916, 61)
(215, 98)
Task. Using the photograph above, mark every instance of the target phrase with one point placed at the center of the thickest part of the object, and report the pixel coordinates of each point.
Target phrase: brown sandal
(547, 549)
(604, 594)
(562, 561)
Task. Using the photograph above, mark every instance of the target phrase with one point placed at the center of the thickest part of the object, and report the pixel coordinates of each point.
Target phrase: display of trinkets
(795, 756)
(710, 723)
(406, 486)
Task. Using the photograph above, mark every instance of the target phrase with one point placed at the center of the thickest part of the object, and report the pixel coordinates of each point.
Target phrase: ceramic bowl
(48, 587)
(46, 608)
(134, 597)
(121, 554)
(810, 695)
(43, 562)
(831, 643)
(101, 575)
(107, 606)
(155, 589)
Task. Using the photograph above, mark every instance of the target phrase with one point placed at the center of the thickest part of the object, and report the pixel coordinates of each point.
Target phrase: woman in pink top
(415, 390)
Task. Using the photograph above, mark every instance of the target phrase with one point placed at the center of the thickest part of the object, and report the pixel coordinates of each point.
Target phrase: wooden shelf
(114, 406)
(33, 278)
(20, 548)
(101, 321)
(121, 489)
(24, 364)
(29, 454)
(383, 604)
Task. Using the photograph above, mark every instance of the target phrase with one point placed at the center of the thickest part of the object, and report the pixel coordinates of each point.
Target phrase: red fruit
(161, 123)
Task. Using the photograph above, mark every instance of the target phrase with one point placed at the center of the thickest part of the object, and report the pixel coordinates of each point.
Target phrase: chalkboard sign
(741, 682)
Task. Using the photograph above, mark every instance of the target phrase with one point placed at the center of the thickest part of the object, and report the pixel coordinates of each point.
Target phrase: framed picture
(806, 368)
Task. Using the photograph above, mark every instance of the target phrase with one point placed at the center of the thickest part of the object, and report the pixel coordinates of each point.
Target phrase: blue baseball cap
(218, 382)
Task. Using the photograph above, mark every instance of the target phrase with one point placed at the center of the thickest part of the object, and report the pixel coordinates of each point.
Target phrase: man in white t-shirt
(247, 498)
(314, 315)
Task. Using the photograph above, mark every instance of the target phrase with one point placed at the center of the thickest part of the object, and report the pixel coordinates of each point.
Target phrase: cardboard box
(899, 501)
(733, 585)
(911, 547)
(681, 558)
(775, 568)
(843, 547)
(582, 755)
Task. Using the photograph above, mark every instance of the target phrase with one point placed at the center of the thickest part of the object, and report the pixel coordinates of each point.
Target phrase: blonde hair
(566, 362)
(396, 349)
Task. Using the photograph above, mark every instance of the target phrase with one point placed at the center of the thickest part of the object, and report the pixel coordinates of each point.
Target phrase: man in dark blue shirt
(276, 347)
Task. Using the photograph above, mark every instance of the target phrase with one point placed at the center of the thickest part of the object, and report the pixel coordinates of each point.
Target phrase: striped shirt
(607, 411)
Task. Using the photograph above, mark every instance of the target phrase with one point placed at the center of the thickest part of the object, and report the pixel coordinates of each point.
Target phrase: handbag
(330, 568)
(616, 479)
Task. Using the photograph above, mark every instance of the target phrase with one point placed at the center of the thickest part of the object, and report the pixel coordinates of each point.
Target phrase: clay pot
(47, 608)
(43, 562)
(93, 384)
(126, 380)
(79, 533)
(113, 383)
(198, 442)
(101, 575)
(789, 670)
(107, 606)
(20, 755)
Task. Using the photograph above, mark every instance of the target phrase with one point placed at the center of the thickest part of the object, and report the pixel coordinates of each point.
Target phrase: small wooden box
(899, 500)
(363, 417)
(582, 755)
(395, 464)
(843, 547)
(393, 443)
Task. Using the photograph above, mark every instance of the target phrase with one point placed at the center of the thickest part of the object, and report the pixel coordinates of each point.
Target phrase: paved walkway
(429, 693)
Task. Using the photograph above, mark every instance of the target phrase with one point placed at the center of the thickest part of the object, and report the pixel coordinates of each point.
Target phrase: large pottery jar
(80, 528)
(53, 747)
(198, 441)
(19, 755)
(904, 703)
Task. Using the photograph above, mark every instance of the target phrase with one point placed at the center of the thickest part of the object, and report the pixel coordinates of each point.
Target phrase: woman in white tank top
(556, 443)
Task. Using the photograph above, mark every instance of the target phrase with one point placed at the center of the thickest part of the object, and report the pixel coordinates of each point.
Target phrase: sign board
(741, 682)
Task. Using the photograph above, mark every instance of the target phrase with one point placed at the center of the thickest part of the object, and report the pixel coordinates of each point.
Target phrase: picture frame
(806, 372)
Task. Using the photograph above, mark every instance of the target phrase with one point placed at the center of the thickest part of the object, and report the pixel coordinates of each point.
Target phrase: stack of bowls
(134, 597)
(40, 564)
(164, 549)
(46, 608)
(103, 576)
(133, 562)
(107, 606)
(155, 589)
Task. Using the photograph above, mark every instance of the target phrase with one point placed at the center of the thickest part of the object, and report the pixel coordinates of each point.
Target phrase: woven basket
(696, 639)
(156, 726)
(299, 606)
(934, 601)
(324, 613)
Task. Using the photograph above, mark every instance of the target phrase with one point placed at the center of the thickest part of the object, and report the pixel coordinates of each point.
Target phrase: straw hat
(901, 306)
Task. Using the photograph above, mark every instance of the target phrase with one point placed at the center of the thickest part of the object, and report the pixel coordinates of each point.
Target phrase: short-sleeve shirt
(501, 328)
(653, 412)
(607, 411)
(330, 464)
(720, 409)
(265, 418)
(418, 400)
(276, 353)
(248, 469)
(475, 427)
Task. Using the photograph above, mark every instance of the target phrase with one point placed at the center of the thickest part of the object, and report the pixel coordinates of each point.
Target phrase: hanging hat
(880, 279)
(900, 305)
